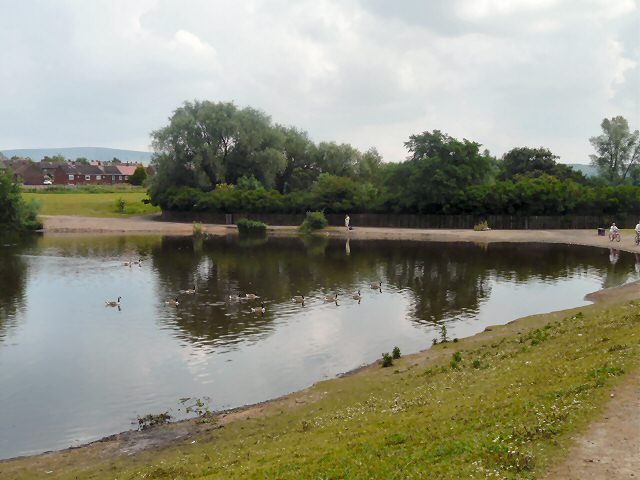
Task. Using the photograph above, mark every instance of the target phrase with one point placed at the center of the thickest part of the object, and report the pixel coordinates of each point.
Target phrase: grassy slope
(91, 204)
(506, 410)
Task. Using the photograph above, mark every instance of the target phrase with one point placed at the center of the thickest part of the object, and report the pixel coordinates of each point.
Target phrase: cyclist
(638, 233)
(613, 231)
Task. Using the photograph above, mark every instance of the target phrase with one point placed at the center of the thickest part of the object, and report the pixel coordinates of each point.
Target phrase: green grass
(92, 204)
(504, 407)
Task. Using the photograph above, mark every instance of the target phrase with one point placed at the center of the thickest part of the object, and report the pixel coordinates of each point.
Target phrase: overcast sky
(501, 72)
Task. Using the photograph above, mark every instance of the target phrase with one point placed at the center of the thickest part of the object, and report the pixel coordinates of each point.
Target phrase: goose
(251, 296)
(190, 291)
(235, 298)
(175, 302)
(334, 298)
(259, 309)
(112, 303)
(127, 264)
(357, 295)
(376, 285)
(298, 299)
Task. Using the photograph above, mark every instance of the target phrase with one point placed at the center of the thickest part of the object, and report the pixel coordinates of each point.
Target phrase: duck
(357, 295)
(174, 302)
(190, 291)
(298, 299)
(251, 296)
(259, 309)
(112, 303)
(235, 298)
(127, 264)
(333, 298)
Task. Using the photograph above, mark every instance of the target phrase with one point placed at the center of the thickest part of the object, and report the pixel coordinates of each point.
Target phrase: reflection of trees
(13, 281)
(104, 246)
(444, 279)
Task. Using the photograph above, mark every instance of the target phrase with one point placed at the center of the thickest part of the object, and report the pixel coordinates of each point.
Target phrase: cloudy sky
(501, 72)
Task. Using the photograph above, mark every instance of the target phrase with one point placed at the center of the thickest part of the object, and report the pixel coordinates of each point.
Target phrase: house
(126, 170)
(112, 174)
(24, 171)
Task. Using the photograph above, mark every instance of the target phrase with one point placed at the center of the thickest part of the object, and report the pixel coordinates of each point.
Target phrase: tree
(15, 214)
(438, 171)
(301, 168)
(55, 159)
(534, 162)
(82, 160)
(617, 149)
(369, 167)
(220, 143)
(139, 176)
(340, 160)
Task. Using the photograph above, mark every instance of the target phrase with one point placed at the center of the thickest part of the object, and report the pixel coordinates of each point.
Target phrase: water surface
(73, 370)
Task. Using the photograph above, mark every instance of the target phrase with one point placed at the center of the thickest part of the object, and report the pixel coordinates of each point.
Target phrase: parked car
(47, 181)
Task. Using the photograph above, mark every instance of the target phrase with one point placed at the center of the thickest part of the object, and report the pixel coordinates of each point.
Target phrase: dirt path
(610, 448)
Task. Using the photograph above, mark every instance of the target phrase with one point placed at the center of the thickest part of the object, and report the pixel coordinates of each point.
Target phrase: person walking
(346, 221)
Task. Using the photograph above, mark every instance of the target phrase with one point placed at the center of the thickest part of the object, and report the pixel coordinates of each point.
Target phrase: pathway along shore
(608, 449)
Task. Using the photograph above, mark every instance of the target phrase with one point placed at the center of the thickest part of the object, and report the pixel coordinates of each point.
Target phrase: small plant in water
(199, 407)
(152, 420)
(482, 226)
(387, 360)
(198, 232)
(396, 352)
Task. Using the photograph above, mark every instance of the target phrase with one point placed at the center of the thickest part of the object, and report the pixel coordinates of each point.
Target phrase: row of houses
(28, 172)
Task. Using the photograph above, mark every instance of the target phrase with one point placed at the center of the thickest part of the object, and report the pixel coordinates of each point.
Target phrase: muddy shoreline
(133, 441)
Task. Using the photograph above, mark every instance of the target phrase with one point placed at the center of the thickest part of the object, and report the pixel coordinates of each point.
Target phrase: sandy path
(151, 224)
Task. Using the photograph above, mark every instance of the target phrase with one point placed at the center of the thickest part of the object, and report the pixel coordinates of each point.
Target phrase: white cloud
(503, 73)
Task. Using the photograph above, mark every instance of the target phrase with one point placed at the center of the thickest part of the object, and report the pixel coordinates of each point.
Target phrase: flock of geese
(250, 296)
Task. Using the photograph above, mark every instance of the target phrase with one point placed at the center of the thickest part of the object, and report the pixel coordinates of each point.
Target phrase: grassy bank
(498, 405)
(92, 204)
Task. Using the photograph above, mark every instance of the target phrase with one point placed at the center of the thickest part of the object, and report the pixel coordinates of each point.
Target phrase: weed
(247, 226)
(396, 352)
(443, 334)
(476, 364)
(120, 205)
(482, 226)
(313, 221)
(387, 360)
(198, 232)
(152, 420)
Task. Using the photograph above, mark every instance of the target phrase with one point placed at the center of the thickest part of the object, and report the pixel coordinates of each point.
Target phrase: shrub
(120, 205)
(139, 176)
(482, 226)
(396, 352)
(247, 226)
(16, 215)
(443, 334)
(197, 230)
(314, 221)
(387, 360)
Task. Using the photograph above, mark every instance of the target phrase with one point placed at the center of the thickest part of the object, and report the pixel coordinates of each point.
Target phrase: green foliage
(251, 227)
(120, 205)
(617, 150)
(387, 360)
(139, 176)
(16, 215)
(396, 352)
(153, 420)
(314, 221)
(481, 227)
(197, 230)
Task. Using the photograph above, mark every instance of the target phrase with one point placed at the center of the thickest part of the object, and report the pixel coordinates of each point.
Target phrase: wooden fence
(390, 220)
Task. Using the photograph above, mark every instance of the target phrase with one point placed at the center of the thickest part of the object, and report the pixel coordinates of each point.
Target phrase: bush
(251, 227)
(197, 230)
(16, 215)
(139, 176)
(396, 352)
(120, 205)
(482, 226)
(387, 360)
(314, 221)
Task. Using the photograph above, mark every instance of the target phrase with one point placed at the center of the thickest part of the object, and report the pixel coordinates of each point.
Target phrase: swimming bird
(190, 291)
(127, 264)
(112, 303)
(251, 296)
(259, 309)
(235, 298)
(331, 299)
(298, 299)
(376, 285)
(175, 302)
(357, 296)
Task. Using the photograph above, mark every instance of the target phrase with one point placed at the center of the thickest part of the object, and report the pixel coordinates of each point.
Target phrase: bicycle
(615, 236)
(637, 238)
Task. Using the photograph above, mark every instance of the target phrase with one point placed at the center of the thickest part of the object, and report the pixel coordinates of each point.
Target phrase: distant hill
(91, 153)
(587, 170)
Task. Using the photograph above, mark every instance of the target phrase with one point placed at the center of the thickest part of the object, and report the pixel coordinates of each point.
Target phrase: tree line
(216, 157)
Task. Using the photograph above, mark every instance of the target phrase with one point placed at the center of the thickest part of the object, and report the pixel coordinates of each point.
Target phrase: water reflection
(98, 366)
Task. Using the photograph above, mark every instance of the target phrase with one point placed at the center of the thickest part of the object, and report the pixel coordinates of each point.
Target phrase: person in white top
(638, 227)
(346, 221)
(613, 229)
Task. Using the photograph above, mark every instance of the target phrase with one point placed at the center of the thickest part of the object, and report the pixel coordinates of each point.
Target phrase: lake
(73, 370)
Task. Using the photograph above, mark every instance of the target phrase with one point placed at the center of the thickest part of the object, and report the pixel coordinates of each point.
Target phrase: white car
(47, 181)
